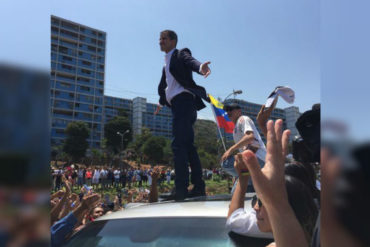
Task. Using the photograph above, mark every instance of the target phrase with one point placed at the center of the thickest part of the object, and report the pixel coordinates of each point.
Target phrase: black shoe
(173, 195)
(195, 192)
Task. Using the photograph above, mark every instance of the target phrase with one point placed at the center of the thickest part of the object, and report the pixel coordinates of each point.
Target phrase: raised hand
(269, 181)
(90, 201)
(156, 172)
(225, 155)
(205, 70)
(263, 116)
(239, 165)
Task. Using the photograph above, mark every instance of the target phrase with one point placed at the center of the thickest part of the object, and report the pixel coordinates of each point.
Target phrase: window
(91, 48)
(86, 71)
(69, 25)
(69, 34)
(67, 58)
(63, 49)
(84, 88)
(54, 29)
(86, 63)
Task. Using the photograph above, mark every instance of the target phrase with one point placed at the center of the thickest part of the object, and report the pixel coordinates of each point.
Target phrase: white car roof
(175, 209)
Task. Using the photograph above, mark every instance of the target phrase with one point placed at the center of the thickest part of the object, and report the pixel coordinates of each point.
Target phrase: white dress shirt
(173, 87)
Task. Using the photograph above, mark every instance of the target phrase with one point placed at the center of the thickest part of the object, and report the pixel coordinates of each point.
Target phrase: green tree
(206, 140)
(205, 132)
(76, 142)
(167, 153)
(114, 141)
(136, 146)
(96, 156)
(153, 149)
(207, 160)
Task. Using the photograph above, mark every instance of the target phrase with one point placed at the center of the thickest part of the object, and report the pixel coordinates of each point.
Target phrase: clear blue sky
(252, 45)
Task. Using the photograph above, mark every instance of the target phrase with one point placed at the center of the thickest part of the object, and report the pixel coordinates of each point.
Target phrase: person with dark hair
(245, 223)
(269, 183)
(245, 135)
(306, 174)
(178, 90)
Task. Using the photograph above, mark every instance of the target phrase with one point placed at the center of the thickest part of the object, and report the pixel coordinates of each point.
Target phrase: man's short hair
(232, 106)
(171, 34)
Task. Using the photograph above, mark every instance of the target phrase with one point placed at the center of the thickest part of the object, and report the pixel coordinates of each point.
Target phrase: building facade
(114, 106)
(77, 78)
(141, 115)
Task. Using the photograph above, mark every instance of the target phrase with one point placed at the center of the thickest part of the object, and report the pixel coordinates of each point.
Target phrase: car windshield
(160, 232)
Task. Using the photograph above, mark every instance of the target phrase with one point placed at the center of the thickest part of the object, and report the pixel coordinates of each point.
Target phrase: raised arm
(263, 116)
(269, 184)
(238, 198)
(247, 139)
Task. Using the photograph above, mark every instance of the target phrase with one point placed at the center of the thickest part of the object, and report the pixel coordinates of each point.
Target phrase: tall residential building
(251, 110)
(77, 78)
(114, 106)
(292, 114)
(141, 115)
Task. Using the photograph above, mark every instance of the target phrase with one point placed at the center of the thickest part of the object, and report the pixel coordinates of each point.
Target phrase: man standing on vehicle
(178, 91)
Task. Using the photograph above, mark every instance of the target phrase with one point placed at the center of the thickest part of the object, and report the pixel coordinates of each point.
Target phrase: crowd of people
(70, 212)
(103, 178)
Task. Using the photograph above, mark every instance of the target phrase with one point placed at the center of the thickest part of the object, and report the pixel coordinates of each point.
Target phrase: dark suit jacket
(182, 66)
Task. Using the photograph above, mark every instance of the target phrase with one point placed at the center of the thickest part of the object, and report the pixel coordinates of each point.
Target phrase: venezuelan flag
(223, 121)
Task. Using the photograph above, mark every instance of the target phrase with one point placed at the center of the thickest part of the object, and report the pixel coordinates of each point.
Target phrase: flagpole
(218, 127)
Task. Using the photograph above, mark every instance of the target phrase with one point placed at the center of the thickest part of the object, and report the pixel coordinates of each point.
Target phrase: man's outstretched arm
(193, 64)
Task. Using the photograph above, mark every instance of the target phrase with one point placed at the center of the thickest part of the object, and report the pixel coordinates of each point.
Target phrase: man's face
(234, 114)
(98, 211)
(165, 43)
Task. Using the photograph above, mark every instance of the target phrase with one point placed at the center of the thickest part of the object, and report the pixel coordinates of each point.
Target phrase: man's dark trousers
(184, 115)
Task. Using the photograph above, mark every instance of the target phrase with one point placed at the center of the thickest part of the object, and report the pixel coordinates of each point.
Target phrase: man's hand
(156, 172)
(269, 181)
(204, 69)
(68, 187)
(225, 155)
(88, 202)
(159, 107)
(57, 194)
(240, 167)
(263, 116)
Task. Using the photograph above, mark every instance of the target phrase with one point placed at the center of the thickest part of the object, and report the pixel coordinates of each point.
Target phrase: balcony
(85, 90)
(86, 64)
(86, 73)
(83, 107)
(68, 34)
(66, 68)
(65, 86)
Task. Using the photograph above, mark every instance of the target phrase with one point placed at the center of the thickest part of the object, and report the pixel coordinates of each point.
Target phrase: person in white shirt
(116, 174)
(96, 177)
(103, 178)
(246, 136)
